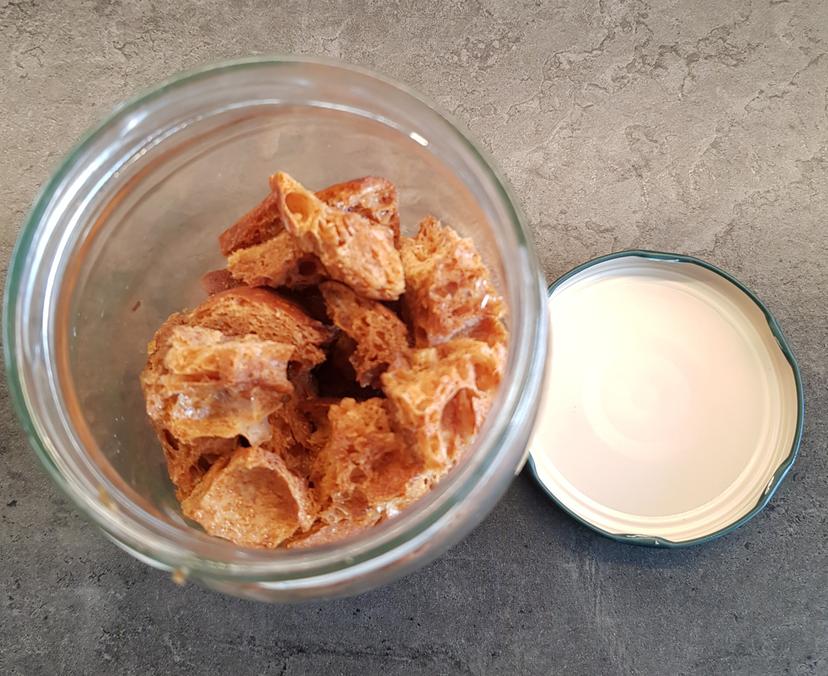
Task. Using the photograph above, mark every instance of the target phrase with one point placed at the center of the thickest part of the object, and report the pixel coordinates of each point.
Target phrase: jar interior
(151, 232)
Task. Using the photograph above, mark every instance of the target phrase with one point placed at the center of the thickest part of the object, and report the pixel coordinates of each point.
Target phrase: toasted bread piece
(275, 262)
(364, 471)
(380, 336)
(216, 281)
(372, 197)
(441, 398)
(258, 225)
(252, 499)
(209, 385)
(198, 353)
(447, 285)
(268, 315)
(278, 261)
(188, 462)
(351, 248)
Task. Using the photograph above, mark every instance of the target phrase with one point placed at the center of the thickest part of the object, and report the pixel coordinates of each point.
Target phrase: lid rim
(779, 473)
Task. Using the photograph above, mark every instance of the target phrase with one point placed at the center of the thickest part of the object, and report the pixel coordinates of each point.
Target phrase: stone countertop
(693, 127)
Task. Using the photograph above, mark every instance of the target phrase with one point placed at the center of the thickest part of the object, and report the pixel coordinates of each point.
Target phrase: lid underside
(669, 407)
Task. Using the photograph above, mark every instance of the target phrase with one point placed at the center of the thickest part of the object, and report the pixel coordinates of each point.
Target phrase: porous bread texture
(366, 472)
(199, 354)
(251, 498)
(209, 385)
(352, 248)
(365, 468)
(448, 289)
(275, 262)
(299, 428)
(314, 411)
(441, 398)
(261, 252)
(380, 337)
(188, 462)
(371, 197)
(239, 312)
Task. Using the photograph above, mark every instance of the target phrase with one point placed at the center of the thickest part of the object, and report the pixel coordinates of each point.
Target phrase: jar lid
(672, 407)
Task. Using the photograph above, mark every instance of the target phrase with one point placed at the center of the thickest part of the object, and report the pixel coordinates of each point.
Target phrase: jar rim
(397, 543)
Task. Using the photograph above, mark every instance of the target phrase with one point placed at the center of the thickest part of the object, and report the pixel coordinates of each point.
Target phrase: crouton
(267, 315)
(210, 385)
(448, 289)
(364, 470)
(440, 399)
(351, 248)
(251, 498)
(379, 335)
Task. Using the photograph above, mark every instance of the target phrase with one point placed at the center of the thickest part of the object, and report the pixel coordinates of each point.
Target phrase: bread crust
(267, 314)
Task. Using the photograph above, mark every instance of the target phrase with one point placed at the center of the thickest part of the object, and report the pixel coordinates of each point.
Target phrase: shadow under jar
(119, 239)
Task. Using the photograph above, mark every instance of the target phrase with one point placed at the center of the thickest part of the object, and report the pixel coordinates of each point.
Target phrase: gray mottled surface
(700, 127)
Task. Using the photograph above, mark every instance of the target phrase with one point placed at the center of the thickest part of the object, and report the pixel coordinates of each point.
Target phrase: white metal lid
(672, 407)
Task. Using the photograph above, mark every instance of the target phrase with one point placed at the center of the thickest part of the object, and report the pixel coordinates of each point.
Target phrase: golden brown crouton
(364, 471)
(440, 399)
(351, 248)
(188, 462)
(275, 262)
(299, 429)
(252, 498)
(380, 337)
(209, 385)
(447, 285)
(372, 197)
(268, 315)
(261, 252)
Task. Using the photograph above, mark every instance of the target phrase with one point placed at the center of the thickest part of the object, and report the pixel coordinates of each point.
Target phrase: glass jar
(124, 229)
